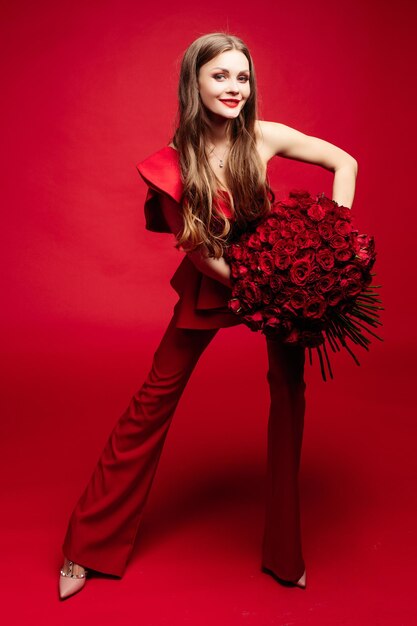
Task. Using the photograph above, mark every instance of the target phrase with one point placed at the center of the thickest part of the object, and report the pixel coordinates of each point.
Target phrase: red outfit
(105, 520)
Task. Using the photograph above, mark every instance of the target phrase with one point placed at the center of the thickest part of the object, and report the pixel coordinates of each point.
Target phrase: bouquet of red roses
(304, 273)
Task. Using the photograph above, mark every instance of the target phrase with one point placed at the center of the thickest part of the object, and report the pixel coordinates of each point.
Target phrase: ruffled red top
(202, 300)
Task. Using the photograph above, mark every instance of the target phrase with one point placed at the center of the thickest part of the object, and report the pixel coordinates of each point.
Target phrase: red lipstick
(230, 103)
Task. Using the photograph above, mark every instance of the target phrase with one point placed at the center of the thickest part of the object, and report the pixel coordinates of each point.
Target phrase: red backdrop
(89, 89)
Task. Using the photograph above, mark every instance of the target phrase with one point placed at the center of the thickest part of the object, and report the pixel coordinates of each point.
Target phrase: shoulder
(272, 137)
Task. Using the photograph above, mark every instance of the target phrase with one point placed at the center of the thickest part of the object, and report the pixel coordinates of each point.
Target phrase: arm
(214, 268)
(287, 142)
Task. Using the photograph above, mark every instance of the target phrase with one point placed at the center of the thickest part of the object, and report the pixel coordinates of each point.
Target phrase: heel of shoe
(70, 583)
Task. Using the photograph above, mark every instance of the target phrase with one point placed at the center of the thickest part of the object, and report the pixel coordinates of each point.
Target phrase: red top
(203, 300)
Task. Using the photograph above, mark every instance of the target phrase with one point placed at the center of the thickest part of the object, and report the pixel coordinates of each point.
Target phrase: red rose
(272, 322)
(324, 284)
(302, 197)
(267, 297)
(276, 283)
(236, 252)
(329, 205)
(273, 221)
(325, 230)
(235, 305)
(314, 307)
(252, 263)
(273, 236)
(306, 255)
(263, 232)
(315, 274)
(279, 246)
(256, 317)
(363, 241)
(337, 241)
(278, 211)
(343, 212)
(241, 270)
(334, 296)
(290, 247)
(335, 274)
(285, 231)
(302, 240)
(252, 293)
(254, 241)
(298, 299)
(316, 212)
(297, 225)
(282, 261)
(275, 311)
(288, 308)
(351, 271)
(325, 258)
(300, 271)
(266, 262)
(343, 255)
(351, 287)
(290, 203)
(315, 239)
(262, 279)
(363, 255)
(342, 227)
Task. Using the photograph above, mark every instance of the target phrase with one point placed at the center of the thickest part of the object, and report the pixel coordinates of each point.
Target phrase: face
(224, 83)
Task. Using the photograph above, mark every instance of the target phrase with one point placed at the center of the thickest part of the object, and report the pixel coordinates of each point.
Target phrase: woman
(205, 188)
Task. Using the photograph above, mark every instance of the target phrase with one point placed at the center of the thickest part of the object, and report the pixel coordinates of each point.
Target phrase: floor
(197, 556)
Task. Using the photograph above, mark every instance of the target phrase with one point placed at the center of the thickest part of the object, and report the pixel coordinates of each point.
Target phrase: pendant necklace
(221, 161)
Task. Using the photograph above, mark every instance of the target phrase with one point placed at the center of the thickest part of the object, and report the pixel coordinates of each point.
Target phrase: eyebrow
(226, 70)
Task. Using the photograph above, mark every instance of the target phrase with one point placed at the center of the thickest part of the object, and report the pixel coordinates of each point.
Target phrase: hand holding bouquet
(304, 273)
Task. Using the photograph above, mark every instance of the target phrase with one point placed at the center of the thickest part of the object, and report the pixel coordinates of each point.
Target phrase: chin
(229, 114)
(225, 115)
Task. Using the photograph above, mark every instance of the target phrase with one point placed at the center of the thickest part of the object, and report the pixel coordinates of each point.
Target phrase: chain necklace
(220, 160)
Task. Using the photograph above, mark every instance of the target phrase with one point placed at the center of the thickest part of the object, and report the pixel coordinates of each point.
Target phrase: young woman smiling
(204, 188)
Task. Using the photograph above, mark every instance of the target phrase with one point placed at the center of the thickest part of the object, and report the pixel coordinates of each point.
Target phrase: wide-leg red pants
(105, 520)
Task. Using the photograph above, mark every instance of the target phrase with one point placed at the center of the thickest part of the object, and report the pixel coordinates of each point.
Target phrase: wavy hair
(250, 194)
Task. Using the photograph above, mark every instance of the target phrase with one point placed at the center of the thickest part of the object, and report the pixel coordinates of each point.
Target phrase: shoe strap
(69, 574)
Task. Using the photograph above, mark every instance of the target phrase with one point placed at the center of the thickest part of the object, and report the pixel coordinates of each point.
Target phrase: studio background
(89, 90)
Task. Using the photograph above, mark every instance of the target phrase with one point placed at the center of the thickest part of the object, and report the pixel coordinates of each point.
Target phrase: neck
(219, 130)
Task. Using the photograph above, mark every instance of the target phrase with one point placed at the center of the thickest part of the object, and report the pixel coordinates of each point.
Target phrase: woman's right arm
(214, 268)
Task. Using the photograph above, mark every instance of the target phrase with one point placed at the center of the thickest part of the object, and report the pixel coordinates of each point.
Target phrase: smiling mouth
(231, 101)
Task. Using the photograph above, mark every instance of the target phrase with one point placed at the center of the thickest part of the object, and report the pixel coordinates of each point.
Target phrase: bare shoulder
(272, 137)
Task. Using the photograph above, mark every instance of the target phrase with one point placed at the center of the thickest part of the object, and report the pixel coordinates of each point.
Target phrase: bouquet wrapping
(304, 273)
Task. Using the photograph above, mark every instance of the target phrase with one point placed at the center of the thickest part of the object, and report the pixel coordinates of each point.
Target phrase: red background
(89, 89)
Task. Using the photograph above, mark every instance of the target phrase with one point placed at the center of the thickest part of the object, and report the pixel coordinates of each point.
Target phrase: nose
(233, 87)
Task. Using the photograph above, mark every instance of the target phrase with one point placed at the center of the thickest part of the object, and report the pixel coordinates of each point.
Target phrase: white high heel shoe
(70, 583)
(302, 582)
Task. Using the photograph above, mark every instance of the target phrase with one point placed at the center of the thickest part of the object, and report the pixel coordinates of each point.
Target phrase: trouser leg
(281, 549)
(104, 522)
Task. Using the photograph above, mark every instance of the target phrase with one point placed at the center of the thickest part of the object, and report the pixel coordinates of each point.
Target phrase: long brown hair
(247, 181)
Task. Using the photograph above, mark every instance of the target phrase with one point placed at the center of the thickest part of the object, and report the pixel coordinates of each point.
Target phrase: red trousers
(105, 520)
